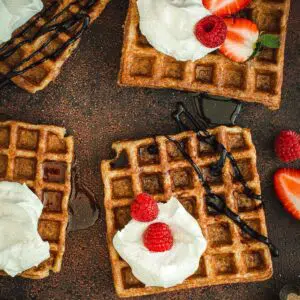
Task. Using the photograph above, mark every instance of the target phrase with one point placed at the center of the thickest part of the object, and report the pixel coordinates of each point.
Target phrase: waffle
(40, 76)
(231, 255)
(258, 80)
(41, 156)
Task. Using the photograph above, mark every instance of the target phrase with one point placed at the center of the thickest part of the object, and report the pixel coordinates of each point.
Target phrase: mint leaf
(269, 40)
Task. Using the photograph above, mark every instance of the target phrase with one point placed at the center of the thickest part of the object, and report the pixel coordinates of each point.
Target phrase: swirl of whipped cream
(21, 246)
(169, 27)
(169, 268)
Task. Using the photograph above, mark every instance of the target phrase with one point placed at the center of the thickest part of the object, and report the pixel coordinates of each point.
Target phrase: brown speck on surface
(86, 100)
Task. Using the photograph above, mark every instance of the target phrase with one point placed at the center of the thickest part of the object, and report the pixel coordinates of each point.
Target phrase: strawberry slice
(287, 187)
(242, 37)
(225, 7)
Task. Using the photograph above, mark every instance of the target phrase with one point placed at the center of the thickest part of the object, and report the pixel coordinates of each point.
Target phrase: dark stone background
(86, 99)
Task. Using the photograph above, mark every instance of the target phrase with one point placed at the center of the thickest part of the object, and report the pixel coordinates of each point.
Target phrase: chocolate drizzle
(80, 19)
(215, 201)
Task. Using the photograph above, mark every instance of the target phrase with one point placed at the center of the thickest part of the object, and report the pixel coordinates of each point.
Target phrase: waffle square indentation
(219, 234)
(206, 149)
(52, 201)
(49, 230)
(211, 211)
(25, 168)
(182, 178)
(246, 168)
(55, 144)
(122, 187)
(28, 139)
(190, 204)
(201, 271)
(148, 155)
(268, 55)
(204, 73)
(210, 178)
(174, 153)
(174, 69)
(3, 165)
(236, 141)
(152, 183)
(122, 217)
(54, 171)
(254, 260)
(141, 39)
(4, 137)
(244, 203)
(142, 66)
(225, 264)
(269, 20)
(235, 78)
(129, 280)
(254, 224)
(266, 81)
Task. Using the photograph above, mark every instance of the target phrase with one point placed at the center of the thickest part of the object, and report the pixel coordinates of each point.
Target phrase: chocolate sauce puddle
(80, 19)
(83, 208)
(214, 201)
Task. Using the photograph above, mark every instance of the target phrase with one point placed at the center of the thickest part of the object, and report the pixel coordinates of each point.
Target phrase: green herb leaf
(270, 40)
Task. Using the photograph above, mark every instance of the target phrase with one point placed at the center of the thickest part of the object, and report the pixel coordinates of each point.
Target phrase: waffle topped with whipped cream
(41, 157)
(53, 47)
(157, 167)
(258, 80)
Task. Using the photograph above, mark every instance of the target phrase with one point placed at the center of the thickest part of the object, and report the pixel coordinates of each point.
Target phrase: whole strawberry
(144, 208)
(287, 146)
(158, 237)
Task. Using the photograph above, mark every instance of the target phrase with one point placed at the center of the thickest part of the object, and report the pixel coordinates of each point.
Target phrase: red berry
(287, 146)
(158, 237)
(211, 31)
(144, 208)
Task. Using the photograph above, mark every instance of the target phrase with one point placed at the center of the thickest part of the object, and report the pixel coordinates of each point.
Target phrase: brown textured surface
(86, 99)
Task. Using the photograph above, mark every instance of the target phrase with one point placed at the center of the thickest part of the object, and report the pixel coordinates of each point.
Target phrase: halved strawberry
(287, 187)
(241, 40)
(225, 7)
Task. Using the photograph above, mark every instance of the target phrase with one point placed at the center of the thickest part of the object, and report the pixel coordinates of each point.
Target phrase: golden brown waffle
(231, 255)
(41, 156)
(258, 80)
(40, 76)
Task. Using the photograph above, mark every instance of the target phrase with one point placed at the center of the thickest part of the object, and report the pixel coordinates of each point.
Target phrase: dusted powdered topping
(21, 247)
(15, 13)
(169, 26)
(175, 258)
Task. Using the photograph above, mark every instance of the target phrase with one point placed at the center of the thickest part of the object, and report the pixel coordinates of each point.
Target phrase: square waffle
(40, 76)
(231, 255)
(258, 80)
(41, 156)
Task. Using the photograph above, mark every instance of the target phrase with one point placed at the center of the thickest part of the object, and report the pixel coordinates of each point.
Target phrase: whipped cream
(15, 13)
(169, 27)
(169, 268)
(21, 247)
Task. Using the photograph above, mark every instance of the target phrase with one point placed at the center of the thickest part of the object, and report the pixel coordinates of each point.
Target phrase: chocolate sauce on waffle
(80, 19)
(83, 208)
(215, 201)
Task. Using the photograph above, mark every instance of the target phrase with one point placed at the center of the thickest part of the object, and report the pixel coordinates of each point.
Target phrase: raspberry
(211, 31)
(158, 237)
(287, 146)
(144, 208)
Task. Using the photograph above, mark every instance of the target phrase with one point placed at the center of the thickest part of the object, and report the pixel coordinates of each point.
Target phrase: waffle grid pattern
(41, 156)
(231, 256)
(259, 80)
(39, 77)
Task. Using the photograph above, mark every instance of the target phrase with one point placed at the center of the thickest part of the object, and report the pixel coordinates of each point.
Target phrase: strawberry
(158, 237)
(287, 146)
(287, 187)
(144, 208)
(243, 40)
(225, 7)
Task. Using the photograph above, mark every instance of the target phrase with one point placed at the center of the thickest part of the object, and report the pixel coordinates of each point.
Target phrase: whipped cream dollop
(21, 246)
(169, 268)
(15, 13)
(169, 26)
